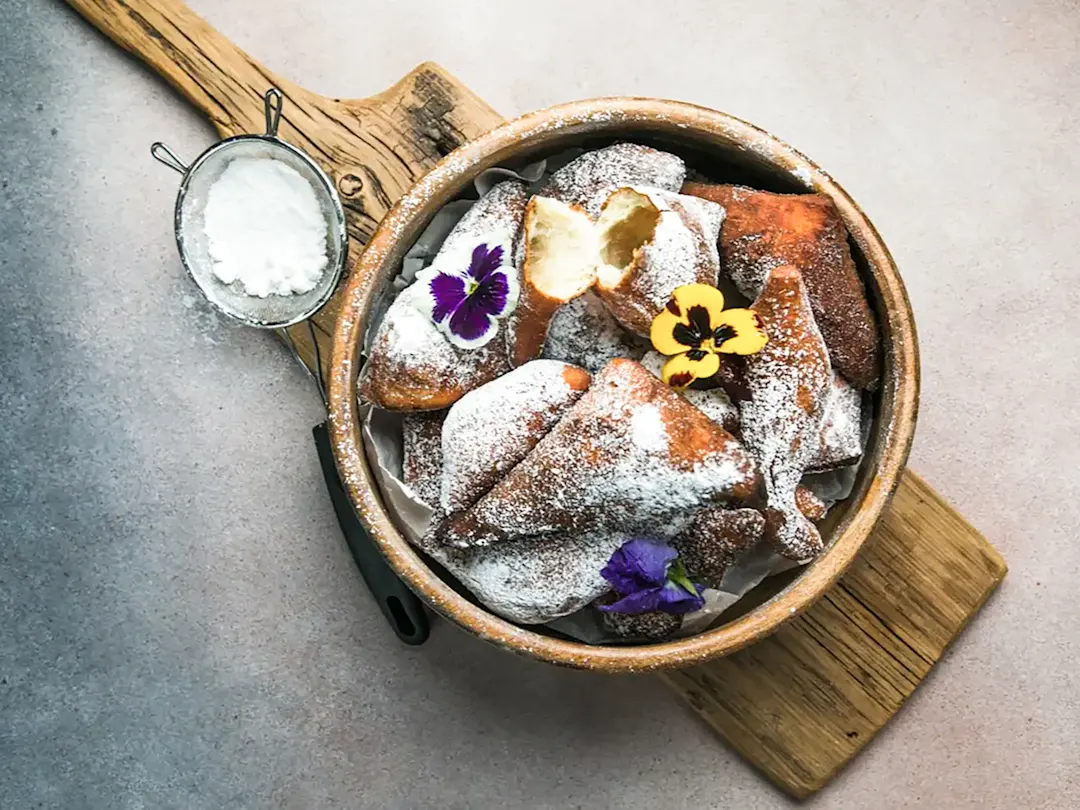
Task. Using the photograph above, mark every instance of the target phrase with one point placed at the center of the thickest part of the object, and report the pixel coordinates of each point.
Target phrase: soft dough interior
(628, 221)
(560, 249)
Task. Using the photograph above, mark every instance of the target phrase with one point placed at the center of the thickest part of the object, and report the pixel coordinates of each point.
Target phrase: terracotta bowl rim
(592, 117)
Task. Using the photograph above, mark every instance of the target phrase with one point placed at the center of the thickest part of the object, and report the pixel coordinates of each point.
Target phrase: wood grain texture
(800, 704)
(373, 149)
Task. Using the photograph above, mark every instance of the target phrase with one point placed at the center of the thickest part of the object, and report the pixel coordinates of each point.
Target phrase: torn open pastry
(587, 180)
(558, 264)
(651, 243)
(645, 243)
(552, 459)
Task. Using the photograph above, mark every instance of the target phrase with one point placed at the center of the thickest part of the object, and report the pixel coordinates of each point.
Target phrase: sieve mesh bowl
(273, 311)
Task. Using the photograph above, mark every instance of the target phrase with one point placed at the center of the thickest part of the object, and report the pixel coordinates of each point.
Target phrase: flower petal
(682, 369)
(639, 602)
(661, 333)
(675, 599)
(738, 331)
(447, 293)
(470, 327)
(499, 293)
(638, 564)
(485, 260)
(701, 295)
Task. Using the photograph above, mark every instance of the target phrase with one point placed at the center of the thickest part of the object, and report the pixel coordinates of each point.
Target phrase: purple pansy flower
(468, 297)
(647, 575)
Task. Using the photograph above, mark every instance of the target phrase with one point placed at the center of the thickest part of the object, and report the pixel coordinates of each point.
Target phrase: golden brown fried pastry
(763, 230)
(588, 179)
(492, 428)
(789, 381)
(583, 333)
(421, 454)
(412, 365)
(810, 504)
(655, 625)
(532, 580)
(713, 402)
(558, 264)
(841, 428)
(651, 243)
(715, 539)
(631, 455)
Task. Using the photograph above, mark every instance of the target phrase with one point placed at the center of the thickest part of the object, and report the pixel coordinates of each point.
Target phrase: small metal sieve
(274, 311)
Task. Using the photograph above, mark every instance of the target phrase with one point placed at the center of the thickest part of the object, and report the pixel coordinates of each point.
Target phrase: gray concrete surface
(180, 624)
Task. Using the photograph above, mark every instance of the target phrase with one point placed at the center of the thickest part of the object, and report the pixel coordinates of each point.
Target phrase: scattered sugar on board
(264, 228)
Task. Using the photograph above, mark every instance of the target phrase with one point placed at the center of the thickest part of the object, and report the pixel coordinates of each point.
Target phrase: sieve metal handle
(273, 102)
(163, 154)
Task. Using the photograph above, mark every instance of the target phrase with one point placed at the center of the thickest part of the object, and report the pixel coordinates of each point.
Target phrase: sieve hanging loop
(163, 154)
(273, 101)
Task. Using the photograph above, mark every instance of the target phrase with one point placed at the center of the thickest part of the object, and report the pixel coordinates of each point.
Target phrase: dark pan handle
(401, 606)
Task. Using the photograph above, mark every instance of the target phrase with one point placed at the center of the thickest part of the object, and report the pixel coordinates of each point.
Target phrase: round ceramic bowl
(726, 150)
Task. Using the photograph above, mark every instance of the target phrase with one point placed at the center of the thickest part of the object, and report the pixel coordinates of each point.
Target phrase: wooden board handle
(213, 74)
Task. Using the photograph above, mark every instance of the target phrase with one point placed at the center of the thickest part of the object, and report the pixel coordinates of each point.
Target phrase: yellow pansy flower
(694, 329)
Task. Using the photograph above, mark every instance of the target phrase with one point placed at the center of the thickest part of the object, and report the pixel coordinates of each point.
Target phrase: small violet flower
(647, 576)
(467, 297)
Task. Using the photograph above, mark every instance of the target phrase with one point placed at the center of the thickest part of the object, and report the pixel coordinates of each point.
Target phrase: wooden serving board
(798, 705)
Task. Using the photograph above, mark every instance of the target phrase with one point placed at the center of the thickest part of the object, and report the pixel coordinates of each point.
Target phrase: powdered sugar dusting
(767, 230)
(714, 403)
(647, 429)
(841, 427)
(803, 175)
(412, 363)
(781, 423)
(715, 539)
(421, 454)
(585, 334)
(489, 430)
(607, 465)
(670, 260)
(500, 211)
(534, 579)
(583, 180)
(681, 251)
(414, 366)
